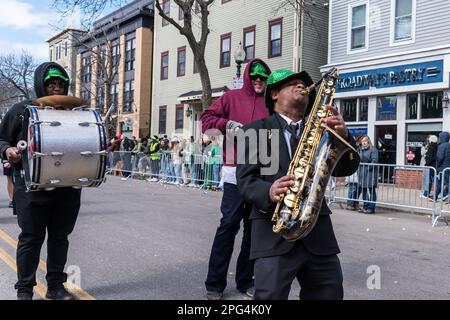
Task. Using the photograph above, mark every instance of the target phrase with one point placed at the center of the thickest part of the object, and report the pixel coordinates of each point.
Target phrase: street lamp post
(239, 57)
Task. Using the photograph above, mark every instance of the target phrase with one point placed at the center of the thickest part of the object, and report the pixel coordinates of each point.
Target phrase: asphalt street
(143, 240)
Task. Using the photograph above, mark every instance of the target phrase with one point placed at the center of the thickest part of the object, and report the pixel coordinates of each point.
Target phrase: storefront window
(416, 134)
(411, 106)
(387, 108)
(431, 105)
(348, 109)
(363, 109)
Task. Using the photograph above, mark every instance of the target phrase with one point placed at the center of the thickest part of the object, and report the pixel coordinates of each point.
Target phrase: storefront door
(386, 143)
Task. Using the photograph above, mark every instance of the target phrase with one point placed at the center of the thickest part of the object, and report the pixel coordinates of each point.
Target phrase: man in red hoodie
(233, 110)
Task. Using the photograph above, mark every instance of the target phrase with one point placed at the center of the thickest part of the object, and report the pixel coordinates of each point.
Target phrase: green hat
(258, 68)
(280, 77)
(54, 73)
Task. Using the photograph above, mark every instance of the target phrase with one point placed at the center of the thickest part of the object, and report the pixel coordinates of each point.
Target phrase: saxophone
(315, 158)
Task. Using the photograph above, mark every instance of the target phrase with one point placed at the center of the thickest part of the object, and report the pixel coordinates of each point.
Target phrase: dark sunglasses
(258, 77)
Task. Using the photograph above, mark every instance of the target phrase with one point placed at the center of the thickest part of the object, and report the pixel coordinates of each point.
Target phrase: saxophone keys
(296, 187)
(289, 200)
(321, 113)
(295, 214)
(278, 227)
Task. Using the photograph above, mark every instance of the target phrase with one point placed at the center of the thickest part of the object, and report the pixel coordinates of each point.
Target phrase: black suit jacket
(255, 189)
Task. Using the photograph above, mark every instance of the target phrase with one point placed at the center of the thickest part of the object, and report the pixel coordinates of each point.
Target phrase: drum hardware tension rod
(87, 124)
(84, 180)
(54, 181)
(53, 154)
(90, 153)
(52, 123)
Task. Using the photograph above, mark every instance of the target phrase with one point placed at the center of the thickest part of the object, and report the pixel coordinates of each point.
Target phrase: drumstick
(21, 145)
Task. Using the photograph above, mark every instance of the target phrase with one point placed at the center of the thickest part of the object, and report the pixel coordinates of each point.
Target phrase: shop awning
(193, 96)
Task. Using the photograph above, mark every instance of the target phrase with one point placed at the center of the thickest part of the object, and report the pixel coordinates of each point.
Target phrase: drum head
(31, 166)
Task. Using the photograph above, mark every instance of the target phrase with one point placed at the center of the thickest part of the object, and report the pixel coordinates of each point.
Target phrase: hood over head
(248, 68)
(444, 136)
(41, 73)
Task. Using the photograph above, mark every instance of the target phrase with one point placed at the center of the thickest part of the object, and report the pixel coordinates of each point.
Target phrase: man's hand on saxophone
(336, 122)
(279, 187)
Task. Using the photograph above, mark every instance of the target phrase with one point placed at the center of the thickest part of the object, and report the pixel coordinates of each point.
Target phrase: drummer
(40, 211)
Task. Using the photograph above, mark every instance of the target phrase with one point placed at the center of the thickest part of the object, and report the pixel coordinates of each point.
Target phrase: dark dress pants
(234, 210)
(320, 277)
(37, 212)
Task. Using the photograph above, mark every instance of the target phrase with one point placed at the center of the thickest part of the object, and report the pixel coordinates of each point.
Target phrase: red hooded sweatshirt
(242, 105)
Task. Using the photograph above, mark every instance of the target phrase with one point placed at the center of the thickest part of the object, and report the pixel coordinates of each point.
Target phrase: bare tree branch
(18, 71)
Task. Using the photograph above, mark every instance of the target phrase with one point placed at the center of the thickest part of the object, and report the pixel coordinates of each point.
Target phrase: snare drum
(66, 148)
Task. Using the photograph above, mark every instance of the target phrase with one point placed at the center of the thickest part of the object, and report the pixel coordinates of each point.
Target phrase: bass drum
(66, 148)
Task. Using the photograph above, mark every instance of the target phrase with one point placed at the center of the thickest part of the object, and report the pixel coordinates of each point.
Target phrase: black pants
(320, 277)
(234, 209)
(37, 212)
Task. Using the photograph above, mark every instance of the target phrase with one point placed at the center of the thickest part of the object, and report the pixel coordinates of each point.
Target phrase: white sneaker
(444, 198)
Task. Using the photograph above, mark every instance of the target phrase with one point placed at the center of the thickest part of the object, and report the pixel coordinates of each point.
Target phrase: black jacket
(255, 189)
(12, 126)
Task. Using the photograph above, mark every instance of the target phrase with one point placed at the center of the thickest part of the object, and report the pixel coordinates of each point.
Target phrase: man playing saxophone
(313, 259)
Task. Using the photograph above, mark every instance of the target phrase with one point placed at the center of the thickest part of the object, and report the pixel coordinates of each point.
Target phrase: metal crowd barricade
(444, 209)
(196, 170)
(398, 186)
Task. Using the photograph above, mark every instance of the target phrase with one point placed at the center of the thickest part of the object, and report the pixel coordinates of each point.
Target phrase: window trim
(180, 49)
(392, 41)
(222, 37)
(177, 108)
(269, 47)
(247, 30)
(349, 28)
(163, 54)
(164, 107)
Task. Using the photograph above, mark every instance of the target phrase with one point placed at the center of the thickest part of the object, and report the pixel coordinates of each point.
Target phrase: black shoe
(214, 295)
(250, 292)
(10, 205)
(59, 294)
(25, 296)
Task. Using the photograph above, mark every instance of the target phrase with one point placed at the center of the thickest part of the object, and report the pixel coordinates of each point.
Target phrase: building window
(431, 105)
(387, 108)
(114, 95)
(130, 54)
(249, 43)
(86, 96)
(165, 65)
(101, 64)
(348, 109)
(128, 98)
(403, 19)
(363, 109)
(115, 58)
(86, 69)
(275, 37)
(100, 98)
(51, 55)
(179, 117)
(162, 119)
(65, 48)
(225, 50)
(196, 70)
(166, 10)
(411, 106)
(181, 61)
(358, 27)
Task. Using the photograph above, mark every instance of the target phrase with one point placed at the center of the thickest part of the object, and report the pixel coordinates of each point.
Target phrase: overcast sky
(27, 24)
